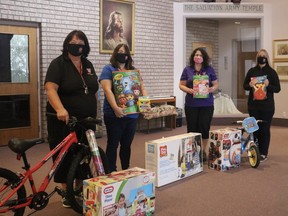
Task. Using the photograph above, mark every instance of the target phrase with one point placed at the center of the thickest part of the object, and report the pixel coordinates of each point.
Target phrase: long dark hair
(128, 64)
(79, 34)
(204, 55)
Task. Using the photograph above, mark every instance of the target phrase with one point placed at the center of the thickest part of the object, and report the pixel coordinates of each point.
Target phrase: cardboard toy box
(130, 192)
(174, 158)
(224, 149)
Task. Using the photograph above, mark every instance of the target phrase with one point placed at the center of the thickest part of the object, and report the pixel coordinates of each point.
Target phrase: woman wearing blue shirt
(120, 127)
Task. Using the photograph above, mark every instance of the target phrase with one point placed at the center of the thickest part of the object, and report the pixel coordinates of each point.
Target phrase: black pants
(57, 131)
(263, 134)
(119, 131)
(199, 119)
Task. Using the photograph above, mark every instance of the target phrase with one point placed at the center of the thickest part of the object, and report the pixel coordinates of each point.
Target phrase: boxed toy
(224, 149)
(174, 158)
(201, 86)
(129, 192)
(127, 89)
(144, 103)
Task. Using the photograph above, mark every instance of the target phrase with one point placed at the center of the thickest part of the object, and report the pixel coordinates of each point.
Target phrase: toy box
(127, 89)
(201, 86)
(144, 103)
(259, 88)
(174, 158)
(129, 192)
(224, 149)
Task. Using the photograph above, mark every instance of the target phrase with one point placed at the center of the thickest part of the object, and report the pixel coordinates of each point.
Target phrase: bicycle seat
(21, 145)
(250, 124)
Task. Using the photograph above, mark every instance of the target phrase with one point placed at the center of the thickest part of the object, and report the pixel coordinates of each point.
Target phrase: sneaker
(66, 203)
(263, 158)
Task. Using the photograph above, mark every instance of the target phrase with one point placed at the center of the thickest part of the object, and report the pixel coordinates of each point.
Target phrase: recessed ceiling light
(237, 23)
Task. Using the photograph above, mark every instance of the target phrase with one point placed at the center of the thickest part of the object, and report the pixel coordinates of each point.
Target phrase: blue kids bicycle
(249, 142)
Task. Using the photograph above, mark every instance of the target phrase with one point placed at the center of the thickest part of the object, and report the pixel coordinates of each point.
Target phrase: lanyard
(84, 83)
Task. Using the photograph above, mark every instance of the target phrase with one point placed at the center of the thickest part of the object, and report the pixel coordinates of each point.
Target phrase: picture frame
(281, 68)
(123, 12)
(280, 49)
(204, 45)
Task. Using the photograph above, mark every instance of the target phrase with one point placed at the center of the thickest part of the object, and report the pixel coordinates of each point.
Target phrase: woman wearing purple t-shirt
(199, 81)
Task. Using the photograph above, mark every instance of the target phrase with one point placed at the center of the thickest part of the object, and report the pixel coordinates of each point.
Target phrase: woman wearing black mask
(71, 85)
(262, 82)
(120, 127)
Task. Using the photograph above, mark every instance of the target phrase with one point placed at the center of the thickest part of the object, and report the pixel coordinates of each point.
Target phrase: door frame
(34, 130)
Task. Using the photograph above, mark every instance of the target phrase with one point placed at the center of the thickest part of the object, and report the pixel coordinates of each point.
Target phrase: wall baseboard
(280, 122)
(228, 120)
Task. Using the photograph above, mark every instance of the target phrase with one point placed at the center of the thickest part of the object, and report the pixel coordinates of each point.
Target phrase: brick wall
(56, 18)
(203, 31)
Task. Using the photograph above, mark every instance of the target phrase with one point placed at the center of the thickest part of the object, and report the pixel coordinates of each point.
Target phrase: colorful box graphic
(129, 192)
(259, 89)
(224, 149)
(174, 158)
(144, 103)
(127, 89)
(201, 86)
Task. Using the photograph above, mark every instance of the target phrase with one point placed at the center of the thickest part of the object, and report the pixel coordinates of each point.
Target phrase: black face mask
(121, 57)
(75, 49)
(262, 60)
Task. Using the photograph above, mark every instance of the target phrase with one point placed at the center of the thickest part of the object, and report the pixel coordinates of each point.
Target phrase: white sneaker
(263, 158)
(66, 203)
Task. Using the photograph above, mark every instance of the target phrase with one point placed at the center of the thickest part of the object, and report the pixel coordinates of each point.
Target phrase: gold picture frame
(204, 45)
(280, 49)
(281, 68)
(123, 12)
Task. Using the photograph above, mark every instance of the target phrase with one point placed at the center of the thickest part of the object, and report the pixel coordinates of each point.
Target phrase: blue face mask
(75, 49)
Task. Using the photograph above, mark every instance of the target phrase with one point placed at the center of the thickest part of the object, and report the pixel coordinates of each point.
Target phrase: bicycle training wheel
(254, 156)
(81, 169)
(8, 181)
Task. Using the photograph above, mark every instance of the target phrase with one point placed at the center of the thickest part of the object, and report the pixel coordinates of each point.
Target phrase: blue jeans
(119, 131)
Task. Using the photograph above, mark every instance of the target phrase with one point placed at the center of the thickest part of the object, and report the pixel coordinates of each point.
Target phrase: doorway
(19, 92)
(246, 60)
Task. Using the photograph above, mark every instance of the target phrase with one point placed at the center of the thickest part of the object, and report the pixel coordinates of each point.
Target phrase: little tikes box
(128, 192)
(224, 149)
(175, 157)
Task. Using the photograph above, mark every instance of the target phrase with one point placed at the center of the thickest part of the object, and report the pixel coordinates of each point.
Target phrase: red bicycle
(13, 197)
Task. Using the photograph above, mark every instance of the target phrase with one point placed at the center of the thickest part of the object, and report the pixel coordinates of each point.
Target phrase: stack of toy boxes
(128, 192)
(224, 149)
(174, 158)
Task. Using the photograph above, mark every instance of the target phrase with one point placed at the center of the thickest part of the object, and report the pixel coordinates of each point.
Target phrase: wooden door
(19, 92)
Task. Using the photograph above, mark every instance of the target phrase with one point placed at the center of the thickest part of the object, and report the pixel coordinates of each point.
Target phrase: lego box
(224, 149)
(129, 192)
(174, 158)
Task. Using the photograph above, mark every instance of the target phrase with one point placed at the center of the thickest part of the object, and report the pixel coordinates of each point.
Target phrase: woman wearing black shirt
(261, 105)
(71, 85)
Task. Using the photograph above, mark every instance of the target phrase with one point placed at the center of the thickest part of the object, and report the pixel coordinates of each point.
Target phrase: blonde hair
(266, 54)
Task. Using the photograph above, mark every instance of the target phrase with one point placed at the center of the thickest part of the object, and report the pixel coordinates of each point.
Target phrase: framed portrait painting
(280, 49)
(281, 68)
(117, 24)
